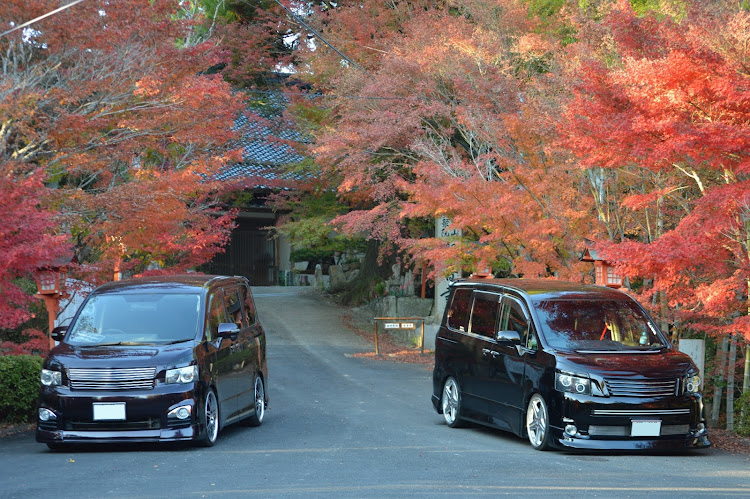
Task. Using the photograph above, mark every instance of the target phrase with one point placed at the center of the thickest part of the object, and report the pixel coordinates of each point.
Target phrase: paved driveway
(347, 426)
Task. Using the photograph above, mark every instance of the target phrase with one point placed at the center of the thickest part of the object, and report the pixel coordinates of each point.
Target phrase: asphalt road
(346, 426)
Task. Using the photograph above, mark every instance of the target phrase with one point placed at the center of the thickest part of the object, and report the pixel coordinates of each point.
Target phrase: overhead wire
(319, 36)
(37, 19)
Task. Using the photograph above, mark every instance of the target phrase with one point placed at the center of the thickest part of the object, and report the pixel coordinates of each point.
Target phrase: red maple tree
(668, 102)
(113, 101)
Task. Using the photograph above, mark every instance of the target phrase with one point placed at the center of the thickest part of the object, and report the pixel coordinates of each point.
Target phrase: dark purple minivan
(566, 365)
(156, 359)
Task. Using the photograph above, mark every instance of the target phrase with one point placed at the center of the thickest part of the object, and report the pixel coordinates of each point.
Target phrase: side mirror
(228, 329)
(58, 333)
(508, 337)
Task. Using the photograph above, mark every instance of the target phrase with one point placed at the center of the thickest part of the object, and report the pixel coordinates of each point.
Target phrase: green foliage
(545, 8)
(38, 321)
(19, 389)
(310, 254)
(742, 422)
(380, 288)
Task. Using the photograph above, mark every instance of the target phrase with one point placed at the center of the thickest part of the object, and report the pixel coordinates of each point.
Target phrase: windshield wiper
(119, 343)
(175, 341)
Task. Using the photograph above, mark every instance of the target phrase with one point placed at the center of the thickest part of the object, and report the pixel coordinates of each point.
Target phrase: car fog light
(571, 429)
(182, 412)
(46, 415)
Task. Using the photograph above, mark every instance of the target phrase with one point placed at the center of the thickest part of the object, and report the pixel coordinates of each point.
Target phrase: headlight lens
(182, 374)
(571, 383)
(51, 378)
(693, 384)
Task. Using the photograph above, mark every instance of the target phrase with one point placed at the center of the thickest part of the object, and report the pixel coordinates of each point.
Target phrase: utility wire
(318, 35)
(29, 23)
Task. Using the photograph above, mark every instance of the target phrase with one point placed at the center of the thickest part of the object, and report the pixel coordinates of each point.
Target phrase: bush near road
(19, 388)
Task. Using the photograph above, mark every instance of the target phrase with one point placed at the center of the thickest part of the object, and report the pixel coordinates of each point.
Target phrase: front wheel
(209, 418)
(260, 403)
(451, 403)
(537, 422)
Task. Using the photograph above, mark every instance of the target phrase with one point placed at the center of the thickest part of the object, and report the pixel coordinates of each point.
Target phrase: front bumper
(607, 424)
(147, 415)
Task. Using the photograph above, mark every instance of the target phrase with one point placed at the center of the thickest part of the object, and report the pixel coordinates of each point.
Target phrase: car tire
(450, 403)
(209, 419)
(537, 423)
(259, 398)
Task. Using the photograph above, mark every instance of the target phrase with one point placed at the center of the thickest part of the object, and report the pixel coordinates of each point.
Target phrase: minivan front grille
(620, 387)
(112, 378)
(624, 431)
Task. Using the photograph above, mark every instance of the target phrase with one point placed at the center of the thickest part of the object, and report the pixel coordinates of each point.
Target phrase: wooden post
(52, 304)
(424, 279)
(421, 341)
(377, 347)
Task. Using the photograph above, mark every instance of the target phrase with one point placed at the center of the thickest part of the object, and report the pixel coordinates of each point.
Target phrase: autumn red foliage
(27, 238)
(530, 132)
(673, 113)
(111, 128)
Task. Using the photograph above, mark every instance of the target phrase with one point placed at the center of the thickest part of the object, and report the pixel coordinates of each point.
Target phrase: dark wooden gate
(249, 253)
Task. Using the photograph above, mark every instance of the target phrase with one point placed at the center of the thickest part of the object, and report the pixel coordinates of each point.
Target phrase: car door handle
(486, 351)
(495, 354)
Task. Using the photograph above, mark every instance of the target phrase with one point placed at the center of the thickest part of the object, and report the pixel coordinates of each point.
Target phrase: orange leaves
(128, 125)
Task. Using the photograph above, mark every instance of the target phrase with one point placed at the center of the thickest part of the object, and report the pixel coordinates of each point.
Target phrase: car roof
(179, 283)
(538, 290)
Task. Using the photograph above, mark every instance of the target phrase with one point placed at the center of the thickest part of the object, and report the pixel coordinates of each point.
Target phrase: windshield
(597, 325)
(136, 319)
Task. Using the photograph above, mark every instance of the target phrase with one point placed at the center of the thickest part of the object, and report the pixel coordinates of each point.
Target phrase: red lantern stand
(51, 288)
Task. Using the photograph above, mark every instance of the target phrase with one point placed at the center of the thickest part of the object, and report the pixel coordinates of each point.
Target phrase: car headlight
(565, 382)
(51, 378)
(182, 375)
(693, 384)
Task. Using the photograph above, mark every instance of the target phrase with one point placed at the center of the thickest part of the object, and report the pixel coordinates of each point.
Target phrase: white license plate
(109, 412)
(646, 428)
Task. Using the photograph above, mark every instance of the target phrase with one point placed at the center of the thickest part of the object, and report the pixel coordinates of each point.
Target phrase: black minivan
(568, 365)
(156, 359)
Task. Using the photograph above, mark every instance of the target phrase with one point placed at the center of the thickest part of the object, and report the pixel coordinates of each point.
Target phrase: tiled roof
(264, 152)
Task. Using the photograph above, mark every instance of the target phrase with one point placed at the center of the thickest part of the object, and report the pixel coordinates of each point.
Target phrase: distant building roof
(266, 151)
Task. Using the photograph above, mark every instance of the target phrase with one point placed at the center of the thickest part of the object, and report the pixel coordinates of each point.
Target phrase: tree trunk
(746, 378)
(716, 401)
(746, 381)
(730, 383)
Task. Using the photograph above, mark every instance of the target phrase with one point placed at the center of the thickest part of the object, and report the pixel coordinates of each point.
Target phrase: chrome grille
(624, 431)
(639, 412)
(112, 379)
(620, 387)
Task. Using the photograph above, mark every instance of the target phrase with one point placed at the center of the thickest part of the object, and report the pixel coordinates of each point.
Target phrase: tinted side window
(484, 315)
(247, 299)
(516, 319)
(234, 306)
(216, 315)
(458, 315)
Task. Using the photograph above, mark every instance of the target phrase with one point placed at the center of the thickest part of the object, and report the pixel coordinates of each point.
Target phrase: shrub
(19, 388)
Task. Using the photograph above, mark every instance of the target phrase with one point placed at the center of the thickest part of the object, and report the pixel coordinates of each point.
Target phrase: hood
(163, 356)
(664, 364)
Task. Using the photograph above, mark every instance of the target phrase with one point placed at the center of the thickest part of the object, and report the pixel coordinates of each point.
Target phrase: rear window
(599, 325)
